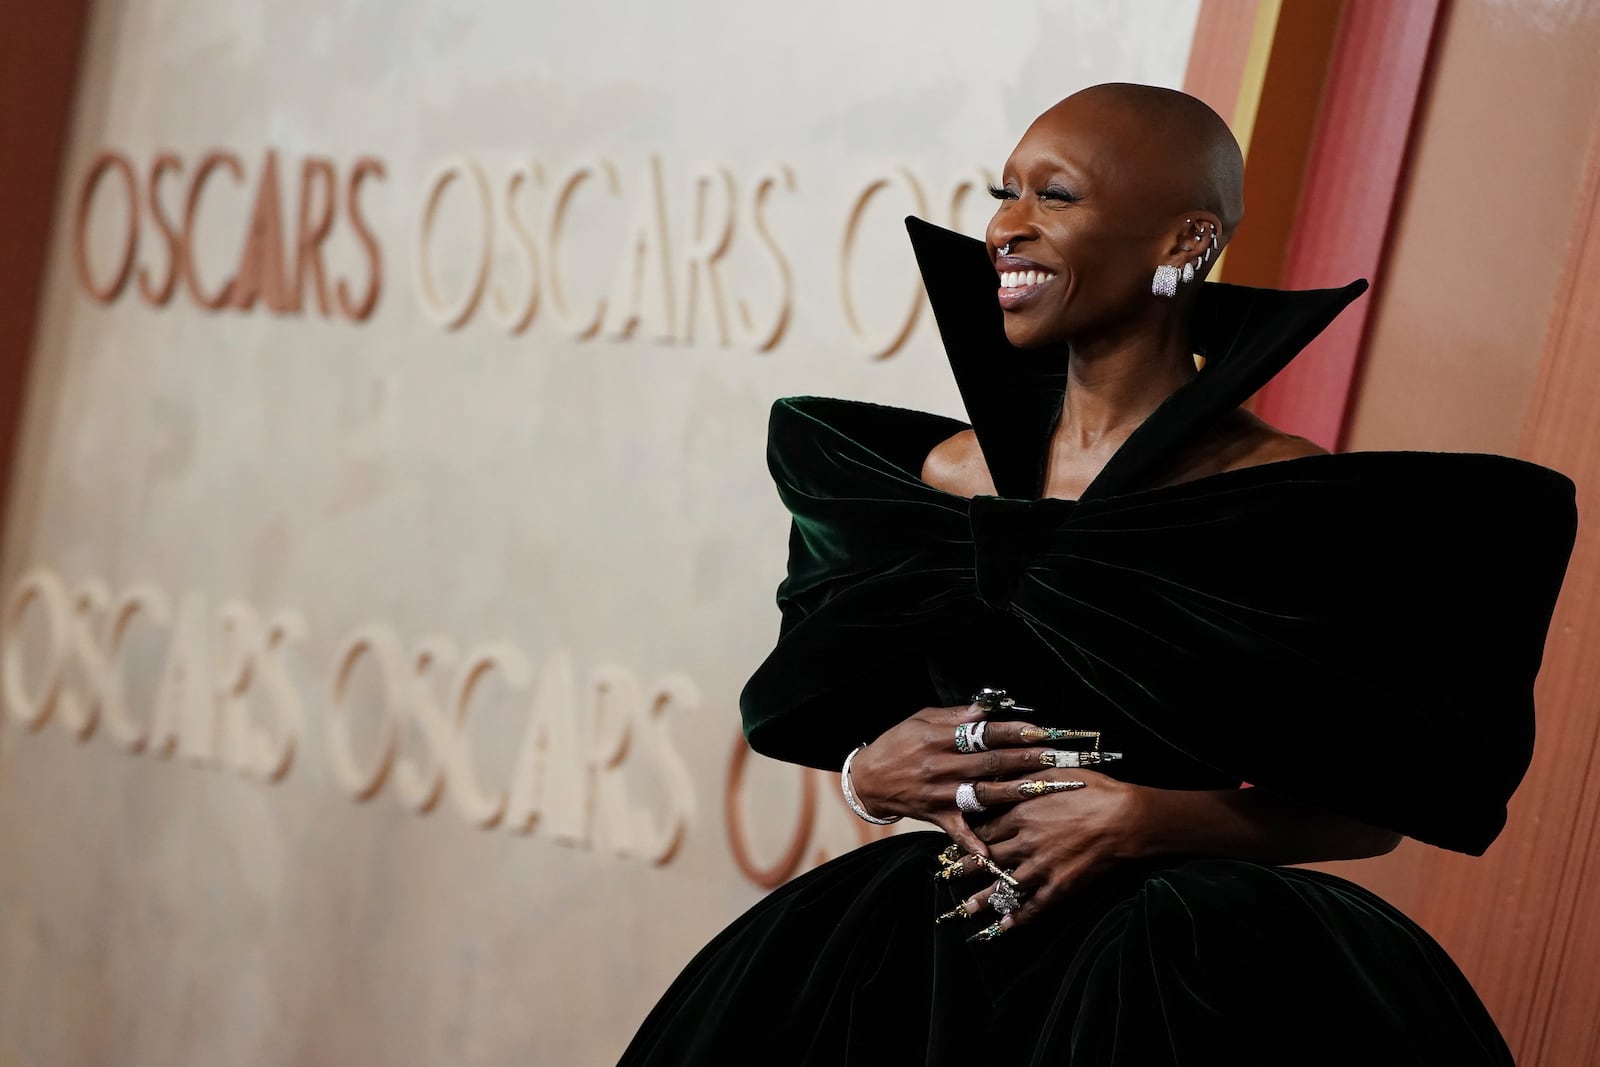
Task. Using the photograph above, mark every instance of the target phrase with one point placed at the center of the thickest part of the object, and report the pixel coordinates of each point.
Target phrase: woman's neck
(1114, 383)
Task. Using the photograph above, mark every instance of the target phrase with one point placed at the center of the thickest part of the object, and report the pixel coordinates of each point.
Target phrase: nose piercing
(1005, 249)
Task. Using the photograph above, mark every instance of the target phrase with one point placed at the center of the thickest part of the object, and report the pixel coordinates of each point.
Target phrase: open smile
(1017, 287)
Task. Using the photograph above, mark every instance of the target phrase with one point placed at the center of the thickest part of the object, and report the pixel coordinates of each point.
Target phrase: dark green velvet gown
(1359, 632)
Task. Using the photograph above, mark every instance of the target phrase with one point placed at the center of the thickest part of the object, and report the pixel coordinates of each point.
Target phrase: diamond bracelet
(850, 793)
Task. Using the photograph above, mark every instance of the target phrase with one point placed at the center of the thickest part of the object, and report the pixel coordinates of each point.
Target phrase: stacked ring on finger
(970, 737)
(967, 798)
(1038, 788)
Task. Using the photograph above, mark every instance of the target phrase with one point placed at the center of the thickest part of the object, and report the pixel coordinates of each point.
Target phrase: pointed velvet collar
(1013, 396)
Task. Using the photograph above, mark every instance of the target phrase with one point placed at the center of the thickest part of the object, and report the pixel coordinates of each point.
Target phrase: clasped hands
(1049, 838)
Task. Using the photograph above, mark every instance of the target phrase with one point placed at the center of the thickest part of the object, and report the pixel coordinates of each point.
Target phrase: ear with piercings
(1201, 240)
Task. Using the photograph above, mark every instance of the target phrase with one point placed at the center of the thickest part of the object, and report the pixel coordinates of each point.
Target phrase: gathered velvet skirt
(1192, 962)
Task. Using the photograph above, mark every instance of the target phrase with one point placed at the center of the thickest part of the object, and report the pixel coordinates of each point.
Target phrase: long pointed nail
(1041, 788)
(996, 870)
(988, 933)
(1055, 757)
(958, 912)
(1031, 734)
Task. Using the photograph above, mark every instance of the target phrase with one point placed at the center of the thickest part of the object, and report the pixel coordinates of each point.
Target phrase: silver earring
(1165, 282)
(1188, 272)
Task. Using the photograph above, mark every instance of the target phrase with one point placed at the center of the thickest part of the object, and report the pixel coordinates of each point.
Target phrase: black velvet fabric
(1359, 632)
(1201, 963)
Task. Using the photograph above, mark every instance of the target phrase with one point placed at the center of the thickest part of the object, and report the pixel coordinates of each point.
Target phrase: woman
(1189, 599)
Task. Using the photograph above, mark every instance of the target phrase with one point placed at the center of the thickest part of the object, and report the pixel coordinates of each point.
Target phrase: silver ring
(967, 798)
(1005, 898)
(988, 699)
(969, 737)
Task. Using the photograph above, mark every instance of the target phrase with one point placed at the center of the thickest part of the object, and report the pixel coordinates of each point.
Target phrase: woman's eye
(1056, 192)
(1000, 192)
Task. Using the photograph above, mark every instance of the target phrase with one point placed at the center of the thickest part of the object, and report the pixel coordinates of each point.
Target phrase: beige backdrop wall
(372, 639)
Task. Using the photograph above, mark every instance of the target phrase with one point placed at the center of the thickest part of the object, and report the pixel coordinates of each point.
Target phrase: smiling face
(1103, 188)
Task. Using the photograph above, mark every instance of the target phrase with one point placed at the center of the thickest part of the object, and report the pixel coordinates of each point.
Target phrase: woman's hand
(913, 769)
(1055, 842)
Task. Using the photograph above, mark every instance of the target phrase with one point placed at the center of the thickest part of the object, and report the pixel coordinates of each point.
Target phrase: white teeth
(1017, 279)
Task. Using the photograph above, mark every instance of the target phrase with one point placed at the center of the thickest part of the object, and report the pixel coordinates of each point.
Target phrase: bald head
(1110, 189)
(1179, 152)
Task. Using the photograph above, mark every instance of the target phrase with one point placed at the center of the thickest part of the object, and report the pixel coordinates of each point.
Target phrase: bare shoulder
(1256, 441)
(956, 465)
(1244, 440)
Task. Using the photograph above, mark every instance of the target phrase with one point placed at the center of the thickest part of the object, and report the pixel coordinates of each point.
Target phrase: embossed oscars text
(226, 696)
(267, 272)
(821, 823)
(671, 281)
(658, 291)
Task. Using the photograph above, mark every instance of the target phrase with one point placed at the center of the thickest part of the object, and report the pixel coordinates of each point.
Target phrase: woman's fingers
(996, 905)
(954, 824)
(1039, 900)
(1006, 907)
(978, 902)
(992, 794)
(966, 866)
(1025, 734)
(994, 831)
(1020, 762)
(954, 715)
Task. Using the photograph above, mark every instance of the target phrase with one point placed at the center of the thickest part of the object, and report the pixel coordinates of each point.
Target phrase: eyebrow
(1055, 163)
